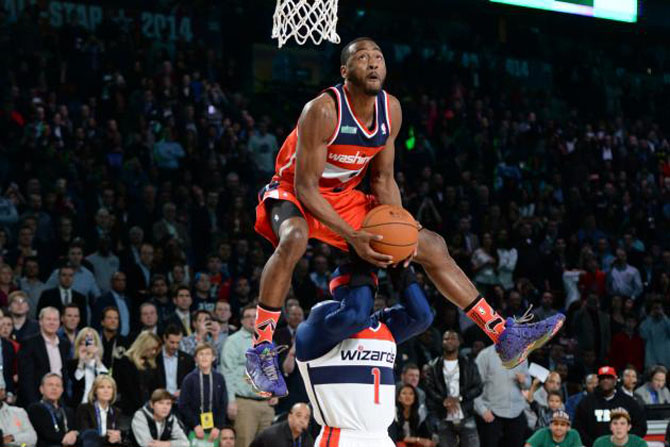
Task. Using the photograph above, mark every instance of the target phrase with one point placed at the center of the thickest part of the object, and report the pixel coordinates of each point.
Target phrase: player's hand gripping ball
(398, 228)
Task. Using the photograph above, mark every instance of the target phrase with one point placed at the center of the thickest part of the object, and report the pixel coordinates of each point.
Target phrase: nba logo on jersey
(383, 128)
(352, 387)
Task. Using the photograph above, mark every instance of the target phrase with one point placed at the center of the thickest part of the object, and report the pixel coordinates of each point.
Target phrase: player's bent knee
(432, 246)
(292, 244)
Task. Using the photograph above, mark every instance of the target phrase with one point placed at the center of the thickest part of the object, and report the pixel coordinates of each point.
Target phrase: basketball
(397, 226)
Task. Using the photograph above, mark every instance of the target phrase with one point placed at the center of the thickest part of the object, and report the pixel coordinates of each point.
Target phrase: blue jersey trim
(326, 375)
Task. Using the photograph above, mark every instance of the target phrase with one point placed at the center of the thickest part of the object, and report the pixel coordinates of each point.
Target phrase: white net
(305, 19)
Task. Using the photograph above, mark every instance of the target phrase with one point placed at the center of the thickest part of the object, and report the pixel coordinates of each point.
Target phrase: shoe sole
(257, 390)
(535, 345)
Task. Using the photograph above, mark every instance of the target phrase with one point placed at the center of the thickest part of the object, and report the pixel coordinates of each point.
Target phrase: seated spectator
(31, 285)
(452, 384)
(654, 392)
(629, 382)
(620, 426)
(590, 384)
(203, 400)
(53, 423)
(627, 346)
(292, 432)
(202, 321)
(409, 428)
(19, 308)
(160, 298)
(227, 437)
(545, 412)
(593, 413)
(154, 425)
(173, 364)
(136, 373)
(655, 330)
(113, 344)
(182, 314)
(41, 354)
(97, 418)
(70, 323)
(411, 375)
(148, 320)
(86, 365)
(557, 434)
(7, 360)
(15, 427)
(62, 291)
(116, 297)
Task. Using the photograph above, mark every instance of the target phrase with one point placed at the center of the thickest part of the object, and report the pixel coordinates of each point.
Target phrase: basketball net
(305, 19)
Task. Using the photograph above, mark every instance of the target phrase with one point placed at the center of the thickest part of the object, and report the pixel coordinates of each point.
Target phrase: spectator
(546, 308)
(500, 416)
(227, 438)
(286, 334)
(64, 294)
(543, 413)
(558, 434)
(620, 426)
(139, 274)
(655, 330)
(6, 283)
(117, 298)
(590, 384)
(160, 298)
(104, 262)
(182, 314)
(131, 254)
(203, 298)
(70, 322)
(591, 327)
(593, 413)
(136, 373)
(97, 417)
(292, 432)
(40, 354)
(409, 428)
(250, 413)
(155, 422)
(169, 226)
(624, 279)
(113, 344)
(629, 382)
(31, 285)
(593, 280)
(148, 320)
(203, 401)
(82, 281)
(654, 392)
(507, 258)
(627, 346)
(202, 321)
(452, 384)
(53, 423)
(22, 325)
(222, 310)
(15, 427)
(173, 364)
(411, 375)
(86, 365)
(263, 146)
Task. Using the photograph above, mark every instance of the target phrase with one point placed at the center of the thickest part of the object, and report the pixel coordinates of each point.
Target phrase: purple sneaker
(521, 337)
(263, 370)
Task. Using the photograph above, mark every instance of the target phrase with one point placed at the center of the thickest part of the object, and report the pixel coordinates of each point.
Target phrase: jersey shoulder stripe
(381, 332)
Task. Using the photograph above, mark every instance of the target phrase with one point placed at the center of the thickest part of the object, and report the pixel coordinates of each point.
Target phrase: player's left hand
(409, 260)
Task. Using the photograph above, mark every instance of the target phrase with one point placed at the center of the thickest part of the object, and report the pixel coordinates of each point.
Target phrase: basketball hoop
(305, 19)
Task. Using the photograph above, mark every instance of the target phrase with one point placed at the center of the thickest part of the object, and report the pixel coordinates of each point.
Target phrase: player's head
(362, 64)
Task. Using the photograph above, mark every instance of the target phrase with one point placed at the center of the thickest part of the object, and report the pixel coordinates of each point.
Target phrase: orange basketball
(397, 226)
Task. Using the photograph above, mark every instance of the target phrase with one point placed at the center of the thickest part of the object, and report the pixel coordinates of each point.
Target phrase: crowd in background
(129, 175)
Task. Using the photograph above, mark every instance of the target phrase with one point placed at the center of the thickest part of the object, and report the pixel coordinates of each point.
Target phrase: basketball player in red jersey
(340, 134)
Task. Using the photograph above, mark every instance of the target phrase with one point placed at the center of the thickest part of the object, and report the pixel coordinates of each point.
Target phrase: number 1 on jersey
(377, 375)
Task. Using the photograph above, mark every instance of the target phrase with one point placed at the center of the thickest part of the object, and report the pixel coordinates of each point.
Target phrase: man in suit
(139, 274)
(40, 354)
(182, 315)
(168, 226)
(64, 294)
(116, 298)
(173, 364)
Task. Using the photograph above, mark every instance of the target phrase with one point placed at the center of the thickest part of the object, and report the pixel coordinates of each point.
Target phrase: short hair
(77, 243)
(161, 394)
(46, 310)
(147, 303)
(657, 369)
(16, 294)
(99, 380)
(246, 308)
(409, 366)
(346, 53)
(197, 313)
(554, 393)
(158, 277)
(50, 375)
(201, 347)
(65, 266)
(178, 289)
(71, 306)
(107, 309)
(618, 413)
(228, 427)
(171, 329)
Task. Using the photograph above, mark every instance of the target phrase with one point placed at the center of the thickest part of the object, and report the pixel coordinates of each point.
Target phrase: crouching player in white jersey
(346, 355)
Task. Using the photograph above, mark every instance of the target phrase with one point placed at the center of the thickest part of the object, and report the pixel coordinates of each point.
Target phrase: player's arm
(317, 123)
(382, 179)
(412, 315)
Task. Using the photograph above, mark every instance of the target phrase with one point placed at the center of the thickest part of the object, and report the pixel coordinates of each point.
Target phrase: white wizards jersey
(352, 387)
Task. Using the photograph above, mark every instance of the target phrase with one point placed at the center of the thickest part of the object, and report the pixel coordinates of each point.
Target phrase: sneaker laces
(527, 316)
(267, 361)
